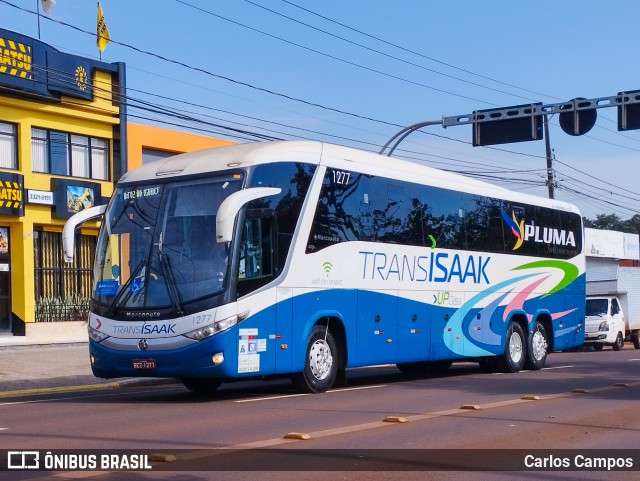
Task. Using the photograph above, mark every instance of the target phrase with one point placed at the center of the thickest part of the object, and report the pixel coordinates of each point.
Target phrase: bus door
(377, 326)
(256, 269)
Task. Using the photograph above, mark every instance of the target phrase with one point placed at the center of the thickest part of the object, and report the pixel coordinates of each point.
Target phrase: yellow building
(62, 146)
(64, 142)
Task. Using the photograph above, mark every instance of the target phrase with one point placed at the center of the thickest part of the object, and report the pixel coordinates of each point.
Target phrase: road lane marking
(286, 396)
(269, 398)
(529, 370)
(418, 417)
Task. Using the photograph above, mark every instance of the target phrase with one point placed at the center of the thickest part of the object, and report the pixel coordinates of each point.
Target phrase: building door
(5, 282)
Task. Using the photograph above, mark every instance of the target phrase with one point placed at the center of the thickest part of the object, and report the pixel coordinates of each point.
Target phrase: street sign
(628, 113)
(580, 119)
(519, 123)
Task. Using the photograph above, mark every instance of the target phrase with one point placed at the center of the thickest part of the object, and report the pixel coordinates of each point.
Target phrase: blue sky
(351, 72)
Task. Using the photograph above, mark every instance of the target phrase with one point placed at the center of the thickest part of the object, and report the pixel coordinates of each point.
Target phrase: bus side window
(257, 254)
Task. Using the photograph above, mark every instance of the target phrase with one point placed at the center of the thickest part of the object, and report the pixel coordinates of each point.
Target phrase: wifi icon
(327, 266)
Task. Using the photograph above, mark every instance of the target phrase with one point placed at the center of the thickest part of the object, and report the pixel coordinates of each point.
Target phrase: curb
(22, 346)
(85, 387)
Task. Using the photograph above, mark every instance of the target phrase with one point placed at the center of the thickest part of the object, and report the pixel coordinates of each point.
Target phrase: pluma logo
(517, 228)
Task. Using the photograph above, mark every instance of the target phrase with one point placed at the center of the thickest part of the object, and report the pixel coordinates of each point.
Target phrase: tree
(614, 222)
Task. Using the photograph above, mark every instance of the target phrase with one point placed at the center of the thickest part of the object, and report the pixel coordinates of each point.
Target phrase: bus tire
(201, 385)
(320, 364)
(514, 350)
(537, 348)
(619, 344)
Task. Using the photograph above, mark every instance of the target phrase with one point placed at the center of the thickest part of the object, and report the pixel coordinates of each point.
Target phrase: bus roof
(241, 156)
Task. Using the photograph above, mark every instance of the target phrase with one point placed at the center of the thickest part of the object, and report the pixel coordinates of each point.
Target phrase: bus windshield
(157, 247)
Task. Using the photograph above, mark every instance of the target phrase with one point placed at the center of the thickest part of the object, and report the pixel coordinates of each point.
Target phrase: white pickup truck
(613, 310)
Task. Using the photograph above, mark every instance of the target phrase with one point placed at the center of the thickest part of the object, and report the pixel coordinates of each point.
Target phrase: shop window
(62, 290)
(62, 153)
(8, 144)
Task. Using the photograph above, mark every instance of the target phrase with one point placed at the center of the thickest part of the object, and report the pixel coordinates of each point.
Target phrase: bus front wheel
(320, 364)
(514, 350)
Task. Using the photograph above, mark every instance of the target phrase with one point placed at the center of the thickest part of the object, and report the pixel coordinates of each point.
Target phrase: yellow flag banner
(102, 34)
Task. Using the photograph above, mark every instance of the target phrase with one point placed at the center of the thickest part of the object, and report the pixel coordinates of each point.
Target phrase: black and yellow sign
(15, 58)
(11, 194)
(31, 66)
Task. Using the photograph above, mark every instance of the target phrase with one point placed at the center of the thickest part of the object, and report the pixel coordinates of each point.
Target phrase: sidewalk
(61, 363)
(25, 366)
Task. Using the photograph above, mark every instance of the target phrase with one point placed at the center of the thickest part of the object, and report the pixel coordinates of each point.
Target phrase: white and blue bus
(304, 259)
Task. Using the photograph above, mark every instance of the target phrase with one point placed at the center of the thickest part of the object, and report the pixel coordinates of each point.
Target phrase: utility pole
(550, 176)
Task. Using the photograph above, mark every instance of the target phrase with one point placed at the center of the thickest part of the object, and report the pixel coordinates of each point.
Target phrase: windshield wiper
(170, 282)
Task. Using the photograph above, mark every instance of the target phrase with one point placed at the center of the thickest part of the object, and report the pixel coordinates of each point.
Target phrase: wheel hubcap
(515, 347)
(539, 346)
(320, 359)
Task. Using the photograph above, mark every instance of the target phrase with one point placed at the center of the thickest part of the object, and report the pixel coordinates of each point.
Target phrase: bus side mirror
(226, 216)
(68, 231)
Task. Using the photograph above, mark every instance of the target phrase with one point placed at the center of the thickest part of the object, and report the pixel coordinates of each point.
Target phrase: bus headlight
(211, 329)
(96, 335)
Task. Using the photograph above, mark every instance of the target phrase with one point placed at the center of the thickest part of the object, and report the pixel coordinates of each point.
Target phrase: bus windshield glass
(157, 247)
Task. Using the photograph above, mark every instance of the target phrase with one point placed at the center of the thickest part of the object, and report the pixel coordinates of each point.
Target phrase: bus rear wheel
(320, 364)
(537, 348)
(201, 385)
(514, 350)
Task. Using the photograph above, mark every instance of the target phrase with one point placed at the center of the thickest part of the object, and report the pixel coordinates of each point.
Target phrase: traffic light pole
(405, 132)
(547, 142)
(521, 123)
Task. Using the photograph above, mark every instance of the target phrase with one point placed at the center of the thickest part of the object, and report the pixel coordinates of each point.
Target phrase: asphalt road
(584, 401)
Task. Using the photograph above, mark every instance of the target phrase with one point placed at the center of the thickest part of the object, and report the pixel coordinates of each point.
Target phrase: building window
(62, 290)
(149, 155)
(62, 153)
(8, 146)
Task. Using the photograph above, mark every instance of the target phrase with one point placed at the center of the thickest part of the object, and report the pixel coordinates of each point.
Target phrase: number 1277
(340, 177)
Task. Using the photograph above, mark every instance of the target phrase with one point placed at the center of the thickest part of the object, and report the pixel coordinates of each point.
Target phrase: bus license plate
(149, 363)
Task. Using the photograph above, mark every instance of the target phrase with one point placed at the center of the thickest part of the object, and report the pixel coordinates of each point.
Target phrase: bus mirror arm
(230, 207)
(68, 231)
